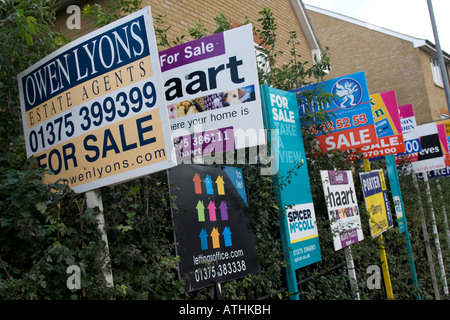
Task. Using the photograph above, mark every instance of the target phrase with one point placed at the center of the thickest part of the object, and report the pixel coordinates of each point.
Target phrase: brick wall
(182, 14)
(435, 93)
(390, 63)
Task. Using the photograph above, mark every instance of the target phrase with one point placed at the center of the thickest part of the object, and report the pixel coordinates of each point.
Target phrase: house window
(437, 75)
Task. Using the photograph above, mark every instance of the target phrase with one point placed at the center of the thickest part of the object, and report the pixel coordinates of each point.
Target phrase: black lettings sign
(213, 233)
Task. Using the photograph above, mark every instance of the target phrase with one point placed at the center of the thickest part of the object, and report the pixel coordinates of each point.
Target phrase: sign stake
(351, 272)
(436, 235)
(385, 268)
(394, 182)
(383, 257)
(216, 291)
(447, 230)
(427, 241)
(94, 199)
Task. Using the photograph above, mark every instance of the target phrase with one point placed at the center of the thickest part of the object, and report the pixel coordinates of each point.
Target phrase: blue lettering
(141, 130)
(112, 49)
(91, 148)
(125, 147)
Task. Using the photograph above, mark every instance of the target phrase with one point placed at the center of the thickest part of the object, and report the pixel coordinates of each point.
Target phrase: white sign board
(342, 206)
(94, 110)
(430, 157)
(212, 92)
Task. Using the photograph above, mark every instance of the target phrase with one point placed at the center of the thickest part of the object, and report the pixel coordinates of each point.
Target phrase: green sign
(297, 220)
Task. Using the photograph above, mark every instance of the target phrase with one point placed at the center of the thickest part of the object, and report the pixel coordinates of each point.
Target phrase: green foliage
(46, 228)
(115, 10)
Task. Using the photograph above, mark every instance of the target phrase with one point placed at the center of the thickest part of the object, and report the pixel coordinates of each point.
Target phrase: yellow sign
(377, 202)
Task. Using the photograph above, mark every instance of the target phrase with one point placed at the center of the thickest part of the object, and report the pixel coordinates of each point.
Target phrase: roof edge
(417, 42)
(306, 25)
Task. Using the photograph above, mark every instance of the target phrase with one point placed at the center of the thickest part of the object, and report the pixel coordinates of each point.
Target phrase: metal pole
(427, 241)
(440, 55)
(383, 257)
(447, 230)
(351, 272)
(385, 268)
(436, 235)
(94, 199)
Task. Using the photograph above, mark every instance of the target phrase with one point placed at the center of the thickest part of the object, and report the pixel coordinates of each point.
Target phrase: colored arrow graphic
(212, 211)
(227, 236)
(215, 238)
(220, 185)
(200, 211)
(209, 184)
(223, 210)
(203, 239)
(197, 183)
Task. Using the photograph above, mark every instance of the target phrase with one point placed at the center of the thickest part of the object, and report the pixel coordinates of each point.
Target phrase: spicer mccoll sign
(94, 110)
(298, 226)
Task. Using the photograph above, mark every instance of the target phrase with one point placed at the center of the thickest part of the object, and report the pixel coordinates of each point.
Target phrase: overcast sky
(410, 17)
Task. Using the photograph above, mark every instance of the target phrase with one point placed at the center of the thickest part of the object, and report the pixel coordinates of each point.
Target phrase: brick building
(183, 14)
(391, 61)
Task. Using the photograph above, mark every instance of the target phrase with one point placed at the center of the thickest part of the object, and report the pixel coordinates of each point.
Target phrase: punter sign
(388, 126)
(352, 125)
(94, 110)
(213, 233)
(212, 92)
(377, 202)
(342, 206)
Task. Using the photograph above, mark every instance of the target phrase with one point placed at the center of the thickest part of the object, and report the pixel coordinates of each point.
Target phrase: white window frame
(436, 71)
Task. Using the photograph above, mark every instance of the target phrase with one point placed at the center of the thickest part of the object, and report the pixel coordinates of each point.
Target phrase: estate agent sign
(94, 110)
(377, 202)
(300, 237)
(342, 206)
(213, 232)
(352, 125)
(212, 92)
